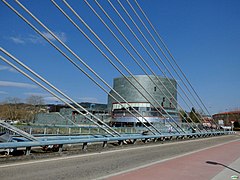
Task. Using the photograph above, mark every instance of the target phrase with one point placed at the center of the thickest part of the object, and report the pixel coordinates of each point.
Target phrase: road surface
(106, 163)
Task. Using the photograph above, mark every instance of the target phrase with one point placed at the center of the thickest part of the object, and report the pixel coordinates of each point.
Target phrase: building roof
(229, 112)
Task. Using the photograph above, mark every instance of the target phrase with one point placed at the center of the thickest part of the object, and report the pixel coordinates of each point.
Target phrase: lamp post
(226, 120)
(232, 122)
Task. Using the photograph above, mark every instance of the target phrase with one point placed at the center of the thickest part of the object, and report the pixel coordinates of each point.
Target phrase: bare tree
(35, 100)
(12, 108)
(35, 105)
(4, 111)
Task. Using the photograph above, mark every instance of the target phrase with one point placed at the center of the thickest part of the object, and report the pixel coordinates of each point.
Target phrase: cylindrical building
(142, 101)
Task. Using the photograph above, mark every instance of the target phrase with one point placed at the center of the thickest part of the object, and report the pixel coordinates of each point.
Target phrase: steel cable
(174, 60)
(135, 60)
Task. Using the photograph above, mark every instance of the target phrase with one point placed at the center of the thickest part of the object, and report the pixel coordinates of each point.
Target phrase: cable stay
(134, 34)
(101, 125)
(33, 27)
(117, 59)
(130, 77)
(65, 54)
(174, 61)
(135, 60)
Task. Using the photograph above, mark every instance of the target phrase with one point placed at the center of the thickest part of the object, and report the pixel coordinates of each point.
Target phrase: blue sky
(203, 36)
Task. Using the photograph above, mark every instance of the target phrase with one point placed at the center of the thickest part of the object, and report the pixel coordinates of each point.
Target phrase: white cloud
(2, 68)
(60, 35)
(37, 39)
(17, 40)
(88, 99)
(51, 98)
(17, 84)
(7, 68)
(3, 92)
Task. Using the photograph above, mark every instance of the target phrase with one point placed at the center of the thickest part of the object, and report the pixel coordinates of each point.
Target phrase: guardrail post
(84, 147)
(69, 130)
(60, 148)
(120, 143)
(104, 144)
(28, 151)
(145, 140)
(30, 131)
(45, 131)
(132, 141)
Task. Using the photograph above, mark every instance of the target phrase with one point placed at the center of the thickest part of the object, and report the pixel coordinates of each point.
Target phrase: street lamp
(232, 122)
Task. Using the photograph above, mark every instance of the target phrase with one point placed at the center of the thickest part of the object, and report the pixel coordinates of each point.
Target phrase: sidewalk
(192, 166)
(228, 173)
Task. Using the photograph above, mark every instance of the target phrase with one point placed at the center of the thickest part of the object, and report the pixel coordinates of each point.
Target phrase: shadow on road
(217, 163)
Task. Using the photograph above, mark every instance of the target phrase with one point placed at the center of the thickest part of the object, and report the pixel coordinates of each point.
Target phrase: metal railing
(51, 136)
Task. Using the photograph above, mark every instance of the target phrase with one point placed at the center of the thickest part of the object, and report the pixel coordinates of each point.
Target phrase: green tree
(194, 115)
(183, 116)
(236, 124)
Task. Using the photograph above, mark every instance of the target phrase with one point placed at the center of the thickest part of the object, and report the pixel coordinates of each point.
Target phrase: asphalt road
(96, 165)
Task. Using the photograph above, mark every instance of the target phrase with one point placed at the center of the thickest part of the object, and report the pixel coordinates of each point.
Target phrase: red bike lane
(188, 167)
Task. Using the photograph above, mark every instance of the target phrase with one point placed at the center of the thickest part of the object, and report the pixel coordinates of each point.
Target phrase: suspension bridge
(133, 46)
